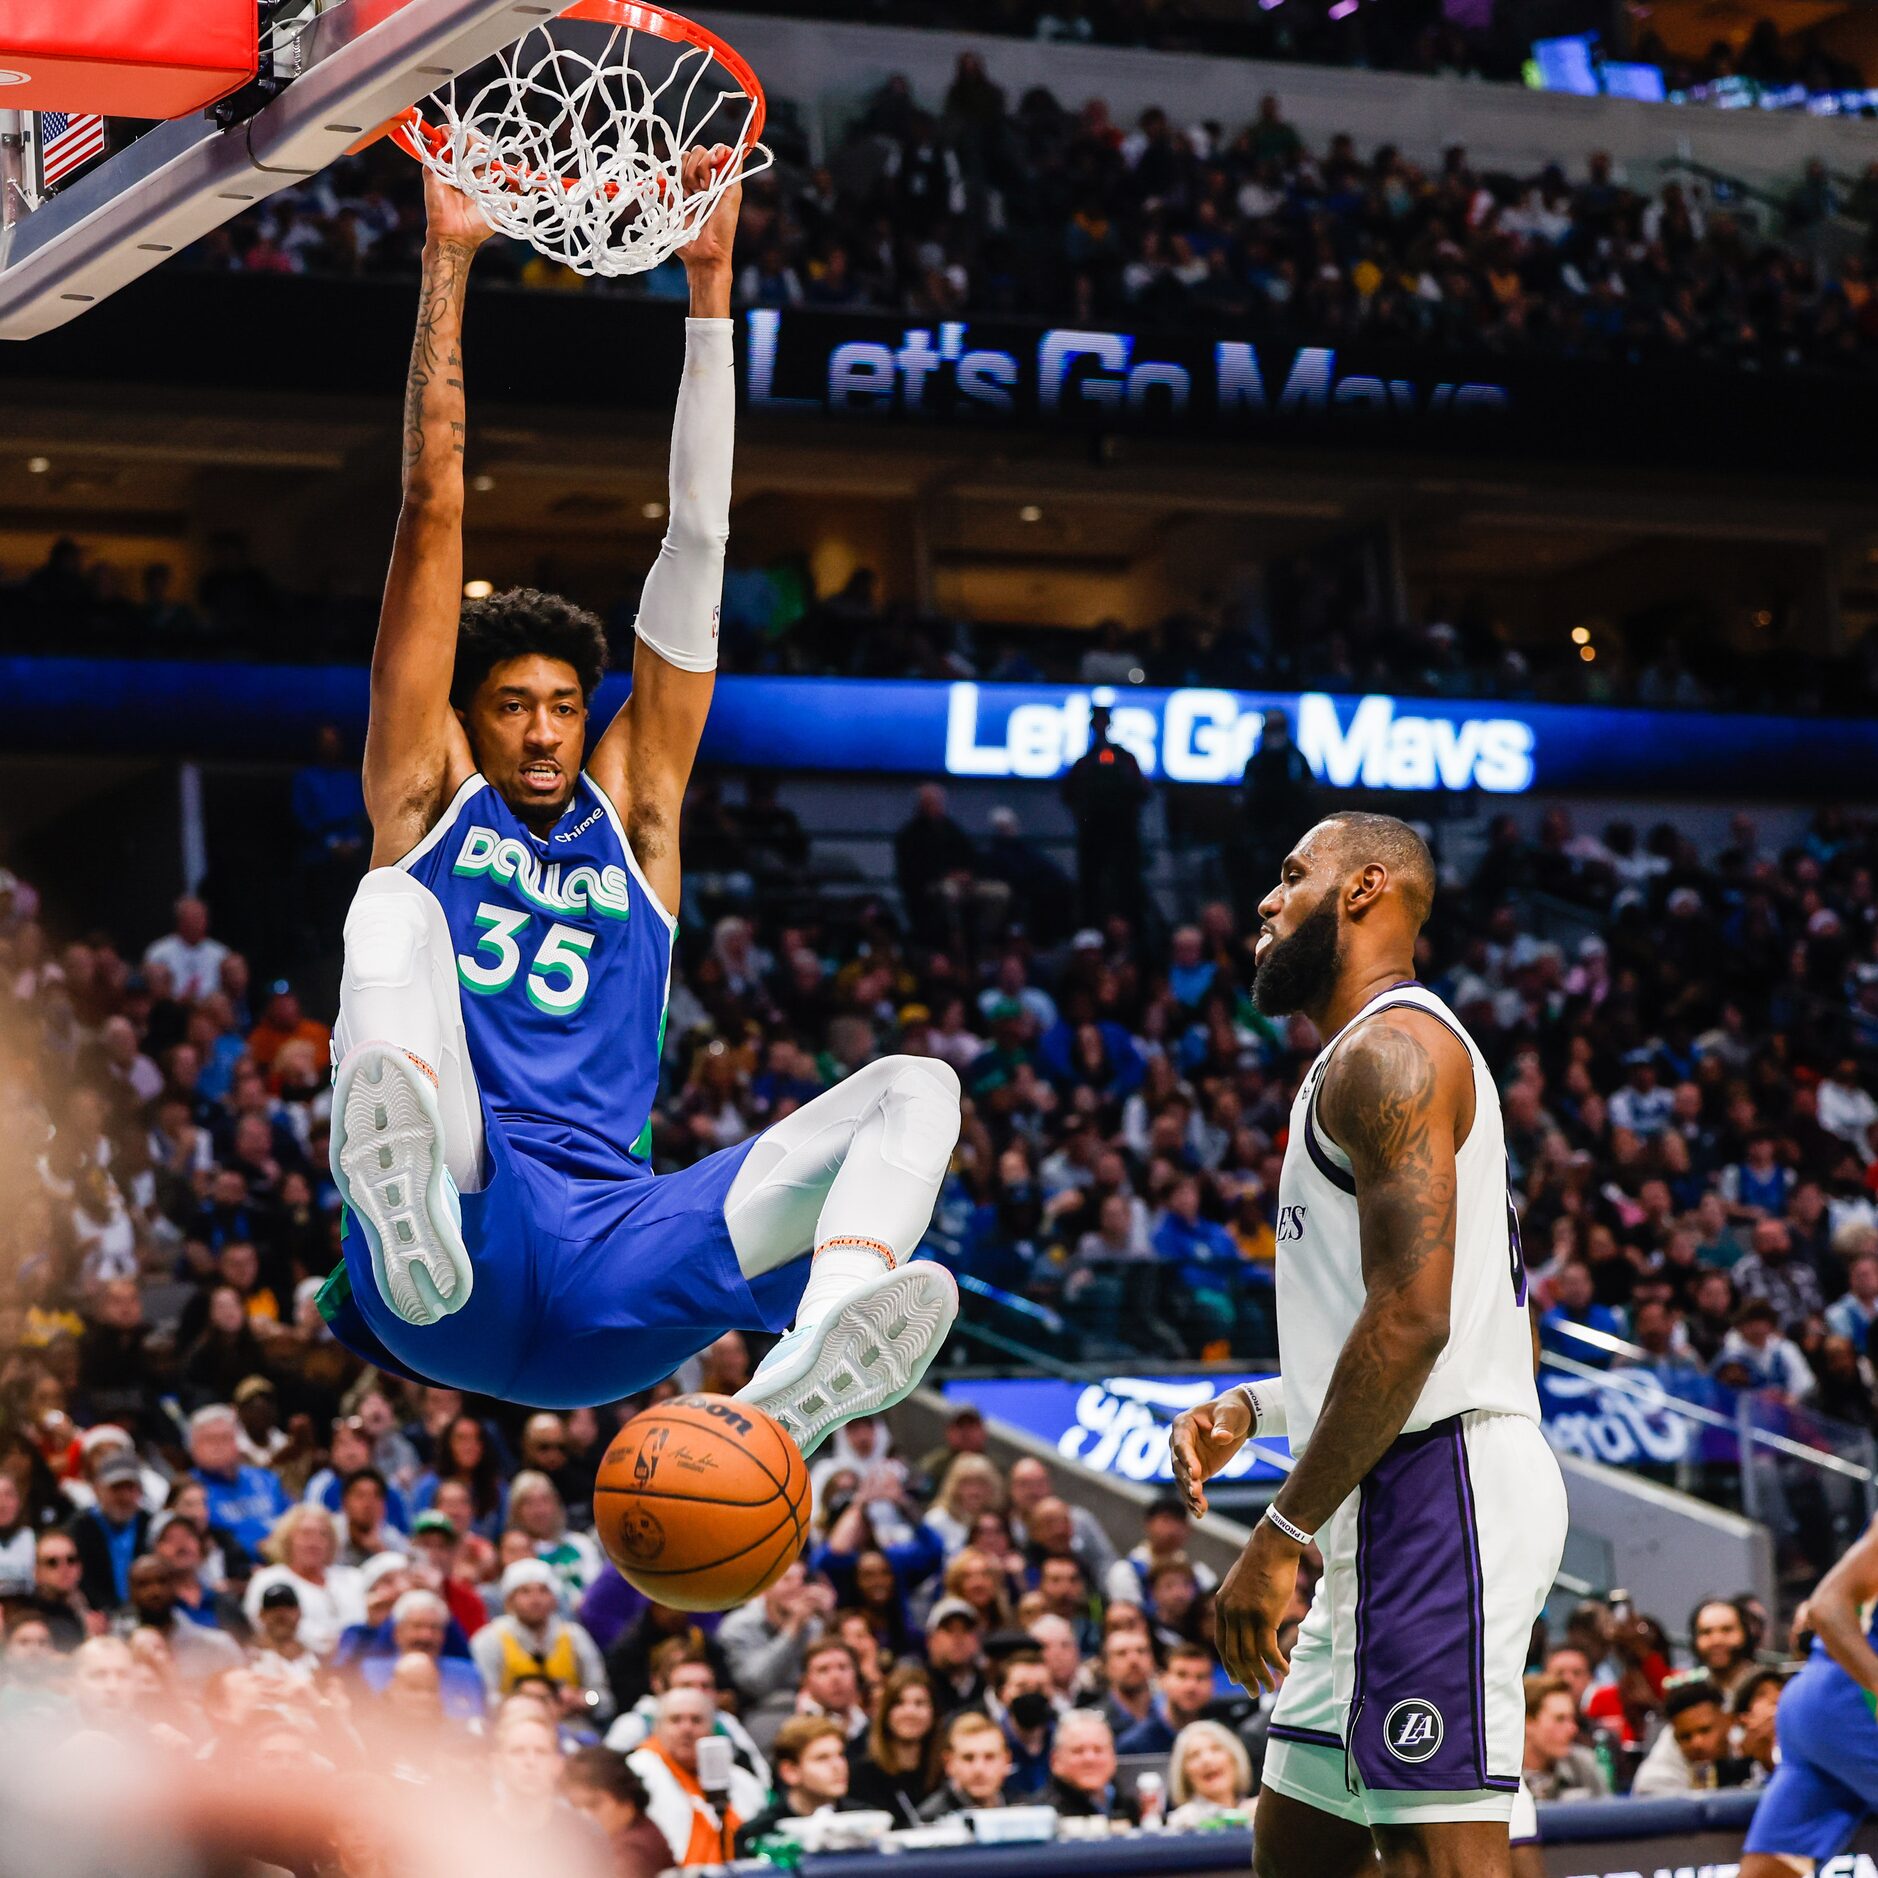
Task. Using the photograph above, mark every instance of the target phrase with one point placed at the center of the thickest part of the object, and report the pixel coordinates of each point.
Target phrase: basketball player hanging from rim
(1407, 1389)
(507, 961)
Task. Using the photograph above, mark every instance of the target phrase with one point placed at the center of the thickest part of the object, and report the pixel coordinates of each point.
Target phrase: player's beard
(1299, 973)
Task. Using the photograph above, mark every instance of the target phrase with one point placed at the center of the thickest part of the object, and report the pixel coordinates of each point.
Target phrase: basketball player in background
(1407, 1390)
(505, 1231)
(1826, 1783)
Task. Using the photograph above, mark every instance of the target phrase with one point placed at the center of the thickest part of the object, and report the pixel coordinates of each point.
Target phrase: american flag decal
(67, 141)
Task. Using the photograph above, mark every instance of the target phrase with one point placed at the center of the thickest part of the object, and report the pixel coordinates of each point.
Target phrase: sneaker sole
(871, 1352)
(387, 1161)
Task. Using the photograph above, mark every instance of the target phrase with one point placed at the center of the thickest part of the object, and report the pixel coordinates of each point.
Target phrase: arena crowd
(222, 1540)
(980, 205)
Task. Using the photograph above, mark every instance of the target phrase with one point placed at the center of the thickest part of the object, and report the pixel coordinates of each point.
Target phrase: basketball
(702, 1502)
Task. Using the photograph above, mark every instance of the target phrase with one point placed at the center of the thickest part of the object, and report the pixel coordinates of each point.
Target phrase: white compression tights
(851, 1176)
(400, 987)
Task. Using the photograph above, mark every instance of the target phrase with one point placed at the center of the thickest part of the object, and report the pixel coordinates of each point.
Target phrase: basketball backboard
(336, 70)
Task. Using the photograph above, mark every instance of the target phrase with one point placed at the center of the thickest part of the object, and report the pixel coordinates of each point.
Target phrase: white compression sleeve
(678, 609)
(1267, 1398)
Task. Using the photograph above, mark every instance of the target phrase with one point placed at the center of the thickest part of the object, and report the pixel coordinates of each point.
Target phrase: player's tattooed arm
(1392, 1101)
(415, 752)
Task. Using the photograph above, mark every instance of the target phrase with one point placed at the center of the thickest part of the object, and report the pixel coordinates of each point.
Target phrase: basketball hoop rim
(411, 129)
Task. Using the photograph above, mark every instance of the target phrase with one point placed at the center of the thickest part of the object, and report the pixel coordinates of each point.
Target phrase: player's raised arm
(415, 752)
(644, 760)
(1395, 1098)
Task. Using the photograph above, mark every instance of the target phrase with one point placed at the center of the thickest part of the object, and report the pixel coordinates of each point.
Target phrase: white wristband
(1266, 1399)
(1296, 1534)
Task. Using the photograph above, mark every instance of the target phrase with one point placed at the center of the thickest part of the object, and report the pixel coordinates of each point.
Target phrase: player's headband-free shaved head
(1361, 838)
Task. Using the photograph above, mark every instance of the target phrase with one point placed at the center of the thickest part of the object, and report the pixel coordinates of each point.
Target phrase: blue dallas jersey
(564, 959)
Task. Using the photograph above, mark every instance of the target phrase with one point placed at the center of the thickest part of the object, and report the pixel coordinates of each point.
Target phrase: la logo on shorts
(1413, 1730)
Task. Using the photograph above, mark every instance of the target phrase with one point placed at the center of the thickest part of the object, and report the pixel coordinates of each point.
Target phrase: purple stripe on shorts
(1311, 1737)
(1418, 1714)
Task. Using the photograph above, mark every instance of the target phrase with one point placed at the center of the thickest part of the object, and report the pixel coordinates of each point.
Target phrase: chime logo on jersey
(1413, 1730)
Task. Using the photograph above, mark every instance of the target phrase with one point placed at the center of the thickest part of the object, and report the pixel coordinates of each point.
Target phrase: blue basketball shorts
(586, 1288)
(1827, 1779)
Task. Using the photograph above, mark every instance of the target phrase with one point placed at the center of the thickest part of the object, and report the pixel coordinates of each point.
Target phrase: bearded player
(505, 1231)
(1407, 1389)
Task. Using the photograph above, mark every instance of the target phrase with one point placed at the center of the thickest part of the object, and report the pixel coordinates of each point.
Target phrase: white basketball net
(580, 155)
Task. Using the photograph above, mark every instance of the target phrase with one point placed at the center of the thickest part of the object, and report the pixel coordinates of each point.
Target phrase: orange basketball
(702, 1502)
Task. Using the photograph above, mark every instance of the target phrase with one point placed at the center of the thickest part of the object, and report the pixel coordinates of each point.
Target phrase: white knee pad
(921, 1108)
(387, 930)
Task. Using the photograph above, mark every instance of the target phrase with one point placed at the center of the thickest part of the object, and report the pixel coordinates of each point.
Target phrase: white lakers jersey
(1488, 1360)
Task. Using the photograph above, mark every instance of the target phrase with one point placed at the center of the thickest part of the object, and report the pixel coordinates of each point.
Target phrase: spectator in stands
(763, 1640)
(935, 865)
(1182, 1691)
(536, 1509)
(900, 1769)
(1208, 1773)
(1718, 1638)
(1029, 1487)
(1020, 1703)
(1756, 1356)
(281, 1655)
(1574, 1308)
(1558, 1767)
(1105, 792)
(1082, 1770)
(1770, 1271)
(1755, 1704)
(1851, 1316)
(695, 1831)
(110, 1535)
(198, 1651)
(975, 1760)
(246, 1500)
(1058, 1642)
(465, 1455)
(420, 1624)
(812, 1771)
(303, 1551)
(191, 958)
(970, 1486)
(57, 1597)
(831, 1686)
(1165, 1531)
(600, 1784)
(955, 1655)
(679, 1663)
(1691, 1752)
(1128, 1679)
(531, 1637)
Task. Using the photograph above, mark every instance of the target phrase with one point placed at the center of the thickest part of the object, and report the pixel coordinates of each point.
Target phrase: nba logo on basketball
(1413, 1730)
(646, 1461)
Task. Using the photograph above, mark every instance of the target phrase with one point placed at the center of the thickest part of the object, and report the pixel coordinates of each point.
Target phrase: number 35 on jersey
(557, 980)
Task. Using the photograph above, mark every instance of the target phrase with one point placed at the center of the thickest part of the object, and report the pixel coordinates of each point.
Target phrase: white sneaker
(866, 1354)
(387, 1161)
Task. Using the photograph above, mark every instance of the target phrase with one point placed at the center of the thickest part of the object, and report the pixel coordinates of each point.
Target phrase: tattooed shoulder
(1380, 1095)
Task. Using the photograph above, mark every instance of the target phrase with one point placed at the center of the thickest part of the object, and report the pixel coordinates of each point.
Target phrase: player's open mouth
(542, 776)
(1266, 940)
